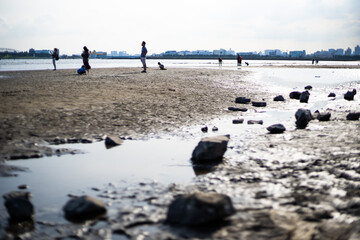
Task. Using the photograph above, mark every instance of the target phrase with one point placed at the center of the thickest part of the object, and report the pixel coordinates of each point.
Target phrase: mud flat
(301, 184)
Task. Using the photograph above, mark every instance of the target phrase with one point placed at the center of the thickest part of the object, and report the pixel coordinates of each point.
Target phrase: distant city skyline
(238, 24)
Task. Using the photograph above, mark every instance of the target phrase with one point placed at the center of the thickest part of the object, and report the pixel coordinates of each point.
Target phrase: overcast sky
(242, 25)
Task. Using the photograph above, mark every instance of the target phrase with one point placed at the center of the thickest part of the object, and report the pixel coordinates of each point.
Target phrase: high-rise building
(357, 50)
(348, 52)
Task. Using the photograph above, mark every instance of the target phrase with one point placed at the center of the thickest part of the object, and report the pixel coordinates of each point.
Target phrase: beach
(302, 184)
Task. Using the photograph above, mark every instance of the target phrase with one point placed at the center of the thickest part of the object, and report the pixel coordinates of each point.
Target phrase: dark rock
(112, 140)
(23, 186)
(259, 104)
(322, 117)
(308, 87)
(238, 121)
(279, 98)
(204, 129)
(350, 95)
(237, 109)
(332, 95)
(276, 128)
(295, 95)
(199, 208)
(85, 140)
(214, 129)
(303, 117)
(304, 97)
(210, 149)
(242, 100)
(255, 122)
(83, 208)
(353, 116)
(19, 206)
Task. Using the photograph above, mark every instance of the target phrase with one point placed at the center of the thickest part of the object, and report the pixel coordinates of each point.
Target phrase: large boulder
(210, 149)
(276, 128)
(242, 100)
(332, 94)
(295, 95)
(19, 206)
(303, 117)
(308, 87)
(199, 208)
(304, 97)
(349, 95)
(83, 208)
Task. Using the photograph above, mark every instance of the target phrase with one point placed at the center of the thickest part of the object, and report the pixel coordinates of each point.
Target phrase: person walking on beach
(143, 56)
(85, 56)
(55, 56)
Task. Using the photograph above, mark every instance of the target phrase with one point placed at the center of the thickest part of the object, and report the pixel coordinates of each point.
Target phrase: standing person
(220, 61)
(143, 56)
(54, 56)
(239, 59)
(85, 56)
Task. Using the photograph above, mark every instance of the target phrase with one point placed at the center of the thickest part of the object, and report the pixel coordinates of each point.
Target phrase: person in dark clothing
(85, 56)
(239, 59)
(54, 56)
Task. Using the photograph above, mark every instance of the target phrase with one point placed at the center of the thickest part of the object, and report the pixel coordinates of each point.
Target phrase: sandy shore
(303, 184)
(45, 105)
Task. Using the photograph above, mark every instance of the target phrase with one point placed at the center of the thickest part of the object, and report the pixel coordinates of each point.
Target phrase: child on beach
(85, 56)
(81, 70)
(161, 66)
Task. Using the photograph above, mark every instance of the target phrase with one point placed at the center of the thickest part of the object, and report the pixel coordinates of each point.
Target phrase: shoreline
(302, 183)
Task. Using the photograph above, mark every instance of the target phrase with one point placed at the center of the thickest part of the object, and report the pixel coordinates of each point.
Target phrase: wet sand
(303, 184)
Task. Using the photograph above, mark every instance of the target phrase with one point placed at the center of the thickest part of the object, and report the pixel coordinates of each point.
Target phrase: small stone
(23, 186)
(214, 129)
(200, 208)
(19, 206)
(259, 104)
(234, 109)
(350, 95)
(295, 95)
(238, 121)
(276, 128)
(279, 98)
(210, 149)
(204, 129)
(353, 116)
(332, 95)
(304, 97)
(242, 100)
(255, 122)
(308, 87)
(83, 208)
(322, 117)
(112, 140)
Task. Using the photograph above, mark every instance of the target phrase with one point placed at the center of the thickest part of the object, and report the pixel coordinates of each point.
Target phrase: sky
(117, 25)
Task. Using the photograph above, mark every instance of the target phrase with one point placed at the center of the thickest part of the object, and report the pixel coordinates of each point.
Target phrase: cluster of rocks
(20, 208)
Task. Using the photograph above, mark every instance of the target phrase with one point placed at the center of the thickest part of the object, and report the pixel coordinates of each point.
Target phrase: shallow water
(166, 159)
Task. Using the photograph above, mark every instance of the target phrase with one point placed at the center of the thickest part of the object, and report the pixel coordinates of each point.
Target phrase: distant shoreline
(226, 57)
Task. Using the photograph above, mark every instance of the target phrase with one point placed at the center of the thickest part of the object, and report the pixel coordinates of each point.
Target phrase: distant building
(339, 52)
(297, 53)
(272, 52)
(332, 51)
(323, 54)
(230, 52)
(348, 52)
(9, 50)
(114, 53)
(357, 50)
(123, 54)
(247, 53)
(220, 52)
(171, 53)
(184, 53)
(95, 54)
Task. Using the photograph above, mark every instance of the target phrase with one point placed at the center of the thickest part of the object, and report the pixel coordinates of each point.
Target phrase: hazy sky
(243, 25)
